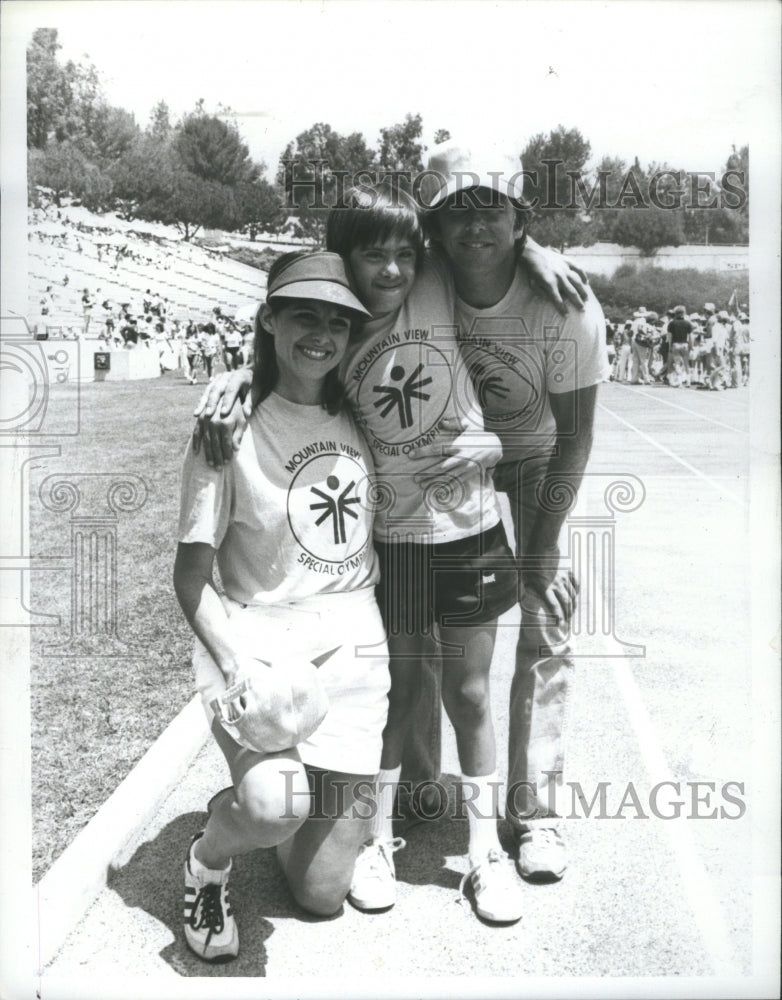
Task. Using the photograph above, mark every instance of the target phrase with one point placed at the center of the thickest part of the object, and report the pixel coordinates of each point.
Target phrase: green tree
(315, 169)
(213, 150)
(48, 89)
(141, 178)
(116, 132)
(640, 207)
(160, 127)
(554, 165)
(60, 168)
(182, 199)
(401, 147)
(258, 208)
(719, 211)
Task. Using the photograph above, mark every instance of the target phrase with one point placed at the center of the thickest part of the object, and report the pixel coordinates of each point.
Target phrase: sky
(664, 80)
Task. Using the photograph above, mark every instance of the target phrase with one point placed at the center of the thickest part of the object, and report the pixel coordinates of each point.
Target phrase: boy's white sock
(381, 826)
(480, 803)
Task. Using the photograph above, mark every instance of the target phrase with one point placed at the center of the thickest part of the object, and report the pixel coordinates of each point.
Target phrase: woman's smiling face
(310, 338)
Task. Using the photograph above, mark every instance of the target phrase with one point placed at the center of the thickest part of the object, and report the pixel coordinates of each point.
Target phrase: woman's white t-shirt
(291, 514)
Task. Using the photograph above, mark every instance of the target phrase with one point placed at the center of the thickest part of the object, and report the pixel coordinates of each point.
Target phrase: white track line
(703, 900)
(667, 451)
(676, 406)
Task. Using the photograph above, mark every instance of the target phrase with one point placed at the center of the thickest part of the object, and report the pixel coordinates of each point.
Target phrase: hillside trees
(197, 171)
(192, 173)
(315, 169)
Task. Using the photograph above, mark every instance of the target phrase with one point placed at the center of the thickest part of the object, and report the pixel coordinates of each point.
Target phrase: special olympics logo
(405, 391)
(336, 506)
(511, 395)
(328, 507)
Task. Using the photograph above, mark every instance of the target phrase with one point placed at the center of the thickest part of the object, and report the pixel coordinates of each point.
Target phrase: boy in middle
(438, 532)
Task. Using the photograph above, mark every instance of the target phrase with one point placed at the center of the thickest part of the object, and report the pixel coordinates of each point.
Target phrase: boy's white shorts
(356, 676)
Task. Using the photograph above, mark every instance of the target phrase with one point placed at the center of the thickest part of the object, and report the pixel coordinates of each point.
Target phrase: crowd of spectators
(709, 349)
(181, 344)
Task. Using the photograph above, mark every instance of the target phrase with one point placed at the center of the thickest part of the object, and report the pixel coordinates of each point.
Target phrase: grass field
(94, 717)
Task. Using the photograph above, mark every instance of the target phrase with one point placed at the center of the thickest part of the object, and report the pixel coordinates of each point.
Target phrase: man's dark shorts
(469, 581)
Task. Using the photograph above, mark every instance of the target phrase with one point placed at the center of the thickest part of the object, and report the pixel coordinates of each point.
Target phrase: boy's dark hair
(265, 370)
(374, 214)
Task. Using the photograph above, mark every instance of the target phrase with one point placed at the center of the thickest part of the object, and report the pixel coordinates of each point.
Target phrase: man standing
(536, 374)
(642, 345)
(679, 331)
(624, 347)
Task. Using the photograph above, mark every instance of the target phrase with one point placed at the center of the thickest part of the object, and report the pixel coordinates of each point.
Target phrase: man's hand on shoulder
(557, 277)
(221, 416)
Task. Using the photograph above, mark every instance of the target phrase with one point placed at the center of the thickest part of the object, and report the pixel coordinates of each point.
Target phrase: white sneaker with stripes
(210, 928)
(498, 892)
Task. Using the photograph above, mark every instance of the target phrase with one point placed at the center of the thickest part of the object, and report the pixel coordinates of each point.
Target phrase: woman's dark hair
(374, 214)
(265, 370)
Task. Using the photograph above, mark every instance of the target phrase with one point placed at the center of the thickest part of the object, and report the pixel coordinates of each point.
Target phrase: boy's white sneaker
(542, 854)
(498, 893)
(374, 878)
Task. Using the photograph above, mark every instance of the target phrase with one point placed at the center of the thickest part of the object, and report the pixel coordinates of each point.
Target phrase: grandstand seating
(194, 279)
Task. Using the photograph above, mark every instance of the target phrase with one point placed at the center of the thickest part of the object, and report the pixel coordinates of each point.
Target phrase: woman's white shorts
(355, 676)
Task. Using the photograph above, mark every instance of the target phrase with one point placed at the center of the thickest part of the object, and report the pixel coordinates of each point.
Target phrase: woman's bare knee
(274, 801)
(319, 901)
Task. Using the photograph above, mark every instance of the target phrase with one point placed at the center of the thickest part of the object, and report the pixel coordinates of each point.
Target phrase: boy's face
(478, 233)
(383, 274)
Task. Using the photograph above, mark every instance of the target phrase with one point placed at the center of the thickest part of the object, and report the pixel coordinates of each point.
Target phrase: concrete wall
(605, 258)
(74, 361)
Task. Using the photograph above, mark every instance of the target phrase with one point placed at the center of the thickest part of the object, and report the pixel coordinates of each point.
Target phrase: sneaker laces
(493, 857)
(385, 848)
(207, 910)
(547, 836)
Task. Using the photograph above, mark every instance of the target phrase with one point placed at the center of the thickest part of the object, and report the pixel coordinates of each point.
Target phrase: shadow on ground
(152, 880)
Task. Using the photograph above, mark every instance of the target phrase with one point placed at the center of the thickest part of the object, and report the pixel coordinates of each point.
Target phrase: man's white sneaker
(374, 877)
(542, 854)
(498, 893)
(210, 929)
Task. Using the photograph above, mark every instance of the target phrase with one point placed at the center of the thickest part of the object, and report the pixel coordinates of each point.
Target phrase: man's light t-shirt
(520, 350)
(403, 377)
(291, 514)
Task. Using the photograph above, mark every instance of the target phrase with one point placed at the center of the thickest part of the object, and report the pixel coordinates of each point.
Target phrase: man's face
(478, 232)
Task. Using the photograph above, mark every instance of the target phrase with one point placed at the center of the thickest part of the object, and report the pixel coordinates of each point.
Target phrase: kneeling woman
(289, 522)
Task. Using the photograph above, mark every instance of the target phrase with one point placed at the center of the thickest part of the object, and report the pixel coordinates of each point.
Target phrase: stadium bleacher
(119, 261)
